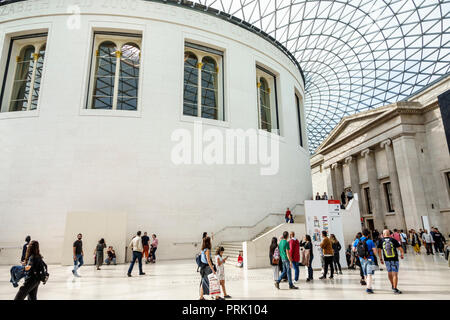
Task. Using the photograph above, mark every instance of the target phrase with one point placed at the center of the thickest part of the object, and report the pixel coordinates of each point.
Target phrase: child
(240, 260)
(220, 261)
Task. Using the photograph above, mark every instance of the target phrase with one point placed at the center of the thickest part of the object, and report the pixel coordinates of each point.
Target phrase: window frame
(201, 52)
(368, 201)
(298, 106)
(119, 39)
(263, 72)
(37, 40)
(387, 187)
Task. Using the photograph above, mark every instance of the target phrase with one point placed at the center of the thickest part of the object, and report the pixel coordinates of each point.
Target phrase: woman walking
(35, 267)
(207, 267)
(309, 256)
(415, 241)
(274, 258)
(220, 261)
(336, 248)
(99, 253)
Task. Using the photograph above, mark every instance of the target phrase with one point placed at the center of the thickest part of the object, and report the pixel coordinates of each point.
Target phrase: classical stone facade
(396, 158)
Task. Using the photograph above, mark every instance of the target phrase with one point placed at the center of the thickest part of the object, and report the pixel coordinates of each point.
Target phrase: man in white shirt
(137, 248)
(428, 240)
(404, 239)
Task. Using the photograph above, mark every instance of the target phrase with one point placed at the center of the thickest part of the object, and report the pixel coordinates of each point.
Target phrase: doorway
(370, 225)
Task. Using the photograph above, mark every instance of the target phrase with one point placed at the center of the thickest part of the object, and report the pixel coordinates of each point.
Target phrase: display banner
(324, 215)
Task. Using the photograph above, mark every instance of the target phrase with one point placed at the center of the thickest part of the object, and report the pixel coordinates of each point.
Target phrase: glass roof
(356, 54)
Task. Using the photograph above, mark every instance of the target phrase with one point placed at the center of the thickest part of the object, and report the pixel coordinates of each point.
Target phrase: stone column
(333, 181)
(374, 187)
(354, 179)
(395, 186)
(410, 181)
(339, 180)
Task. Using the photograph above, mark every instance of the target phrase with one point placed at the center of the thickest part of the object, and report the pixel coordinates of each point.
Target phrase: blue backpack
(198, 260)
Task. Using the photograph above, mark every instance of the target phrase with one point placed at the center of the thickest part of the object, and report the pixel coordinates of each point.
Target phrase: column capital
(349, 159)
(386, 143)
(365, 152)
(335, 165)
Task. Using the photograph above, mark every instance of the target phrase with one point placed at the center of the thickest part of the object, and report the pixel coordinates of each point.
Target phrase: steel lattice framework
(356, 54)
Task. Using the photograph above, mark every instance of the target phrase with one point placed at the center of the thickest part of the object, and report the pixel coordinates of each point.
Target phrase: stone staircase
(232, 248)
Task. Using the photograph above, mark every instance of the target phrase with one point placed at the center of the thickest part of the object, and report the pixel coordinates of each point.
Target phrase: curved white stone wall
(63, 158)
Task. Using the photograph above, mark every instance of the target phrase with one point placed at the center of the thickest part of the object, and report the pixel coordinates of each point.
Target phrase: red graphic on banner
(334, 202)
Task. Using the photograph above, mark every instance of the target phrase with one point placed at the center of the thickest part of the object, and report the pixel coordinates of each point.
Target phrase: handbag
(303, 257)
(214, 285)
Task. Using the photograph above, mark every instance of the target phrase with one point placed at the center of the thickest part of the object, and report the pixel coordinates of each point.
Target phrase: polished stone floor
(421, 277)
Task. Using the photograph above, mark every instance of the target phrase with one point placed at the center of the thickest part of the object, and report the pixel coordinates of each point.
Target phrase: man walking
(328, 255)
(77, 255)
(145, 240)
(428, 240)
(294, 250)
(286, 260)
(24, 249)
(389, 247)
(366, 250)
(404, 241)
(439, 241)
(136, 247)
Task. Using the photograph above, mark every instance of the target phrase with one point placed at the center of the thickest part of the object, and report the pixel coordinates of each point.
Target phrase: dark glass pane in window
(129, 77)
(22, 80)
(190, 109)
(190, 91)
(209, 87)
(104, 76)
(125, 103)
(102, 102)
(38, 77)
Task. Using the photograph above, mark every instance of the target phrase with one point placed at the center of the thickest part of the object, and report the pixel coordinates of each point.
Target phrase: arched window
(105, 71)
(209, 88)
(190, 91)
(265, 110)
(129, 77)
(267, 100)
(23, 80)
(203, 85)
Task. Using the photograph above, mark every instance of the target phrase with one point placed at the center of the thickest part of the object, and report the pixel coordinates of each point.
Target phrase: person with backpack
(366, 251)
(206, 267)
(388, 245)
(37, 272)
(286, 259)
(274, 258)
(336, 249)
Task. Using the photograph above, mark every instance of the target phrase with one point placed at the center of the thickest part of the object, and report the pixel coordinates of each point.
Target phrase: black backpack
(362, 249)
(41, 272)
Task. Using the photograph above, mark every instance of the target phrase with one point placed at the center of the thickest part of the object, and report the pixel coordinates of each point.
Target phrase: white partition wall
(324, 215)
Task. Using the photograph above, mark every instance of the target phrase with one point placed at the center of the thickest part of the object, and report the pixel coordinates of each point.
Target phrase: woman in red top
(287, 215)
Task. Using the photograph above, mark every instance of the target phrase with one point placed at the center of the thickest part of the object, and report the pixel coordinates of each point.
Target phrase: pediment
(349, 125)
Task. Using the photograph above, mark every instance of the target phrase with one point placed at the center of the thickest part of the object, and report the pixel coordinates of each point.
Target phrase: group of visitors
(365, 251)
(32, 268)
(324, 196)
(138, 245)
(208, 266)
(346, 196)
(431, 239)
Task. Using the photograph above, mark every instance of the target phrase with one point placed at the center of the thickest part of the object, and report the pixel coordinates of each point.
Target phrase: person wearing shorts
(367, 263)
(390, 258)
